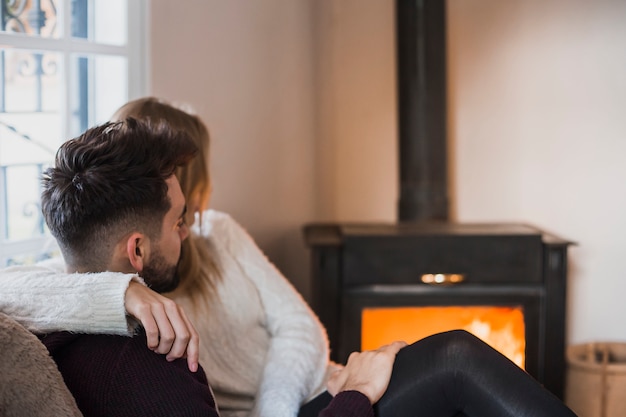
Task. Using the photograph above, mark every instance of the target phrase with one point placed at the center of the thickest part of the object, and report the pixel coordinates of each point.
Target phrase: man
(113, 204)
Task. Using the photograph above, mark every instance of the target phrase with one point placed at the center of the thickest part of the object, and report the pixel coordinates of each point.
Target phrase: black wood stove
(363, 266)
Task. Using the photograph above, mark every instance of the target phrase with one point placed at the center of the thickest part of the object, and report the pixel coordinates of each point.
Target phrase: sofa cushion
(30, 383)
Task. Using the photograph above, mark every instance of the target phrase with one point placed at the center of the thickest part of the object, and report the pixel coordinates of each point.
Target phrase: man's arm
(362, 382)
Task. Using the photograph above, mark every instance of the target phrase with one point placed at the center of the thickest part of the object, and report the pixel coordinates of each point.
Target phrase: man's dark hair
(108, 183)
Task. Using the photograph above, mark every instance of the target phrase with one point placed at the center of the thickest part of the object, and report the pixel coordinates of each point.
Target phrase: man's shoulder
(118, 375)
(57, 341)
(111, 351)
(91, 357)
(68, 344)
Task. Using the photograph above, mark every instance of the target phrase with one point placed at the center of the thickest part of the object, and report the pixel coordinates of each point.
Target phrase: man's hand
(367, 372)
(168, 329)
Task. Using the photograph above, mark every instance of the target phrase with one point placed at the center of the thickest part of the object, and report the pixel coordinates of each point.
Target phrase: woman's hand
(168, 329)
(368, 372)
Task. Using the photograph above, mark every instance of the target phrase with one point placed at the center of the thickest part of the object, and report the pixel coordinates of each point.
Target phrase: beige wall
(300, 100)
(356, 101)
(538, 100)
(246, 67)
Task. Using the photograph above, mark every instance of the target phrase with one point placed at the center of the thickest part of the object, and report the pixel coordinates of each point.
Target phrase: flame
(500, 327)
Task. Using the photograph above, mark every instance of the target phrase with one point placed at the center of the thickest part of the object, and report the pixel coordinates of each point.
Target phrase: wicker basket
(596, 379)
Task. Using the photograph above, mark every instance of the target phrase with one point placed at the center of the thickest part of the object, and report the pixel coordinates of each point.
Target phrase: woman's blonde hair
(197, 263)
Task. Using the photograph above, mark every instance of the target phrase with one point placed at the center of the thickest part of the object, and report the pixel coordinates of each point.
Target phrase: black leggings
(456, 374)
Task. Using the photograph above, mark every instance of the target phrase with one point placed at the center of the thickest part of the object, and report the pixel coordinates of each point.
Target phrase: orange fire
(500, 327)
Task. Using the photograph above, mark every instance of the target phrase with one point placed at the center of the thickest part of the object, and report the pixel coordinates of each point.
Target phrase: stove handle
(442, 279)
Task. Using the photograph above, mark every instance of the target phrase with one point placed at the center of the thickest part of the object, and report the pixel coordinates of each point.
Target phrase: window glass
(29, 17)
(30, 132)
(102, 21)
(23, 198)
(99, 85)
(51, 90)
(31, 82)
(31, 100)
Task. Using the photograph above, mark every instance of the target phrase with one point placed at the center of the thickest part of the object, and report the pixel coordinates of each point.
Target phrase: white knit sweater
(262, 348)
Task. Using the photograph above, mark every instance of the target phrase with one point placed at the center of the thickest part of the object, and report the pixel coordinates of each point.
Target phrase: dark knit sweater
(117, 376)
(349, 404)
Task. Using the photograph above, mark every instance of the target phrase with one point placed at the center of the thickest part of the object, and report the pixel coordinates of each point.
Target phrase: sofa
(30, 383)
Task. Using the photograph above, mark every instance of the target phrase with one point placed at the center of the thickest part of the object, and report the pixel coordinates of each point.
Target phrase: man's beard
(159, 275)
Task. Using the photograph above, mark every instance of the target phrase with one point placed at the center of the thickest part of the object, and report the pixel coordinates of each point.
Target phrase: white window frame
(136, 52)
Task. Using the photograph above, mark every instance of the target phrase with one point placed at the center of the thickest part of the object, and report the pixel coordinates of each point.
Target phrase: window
(65, 65)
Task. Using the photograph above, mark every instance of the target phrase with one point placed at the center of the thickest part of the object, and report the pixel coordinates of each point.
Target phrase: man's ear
(137, 250)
